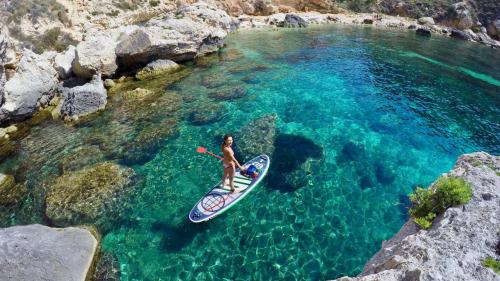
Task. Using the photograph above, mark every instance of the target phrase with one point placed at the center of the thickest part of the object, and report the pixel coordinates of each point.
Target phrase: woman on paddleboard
(229, 162)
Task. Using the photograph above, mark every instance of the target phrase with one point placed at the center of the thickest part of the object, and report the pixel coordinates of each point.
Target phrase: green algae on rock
(228, 93)
(89, 195)
(81, 157)
(257, 137)
(156, 68)
(10, 192)
(206, 114)
(151, 138)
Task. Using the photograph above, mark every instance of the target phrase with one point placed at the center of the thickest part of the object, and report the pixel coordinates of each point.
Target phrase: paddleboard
(219, 199)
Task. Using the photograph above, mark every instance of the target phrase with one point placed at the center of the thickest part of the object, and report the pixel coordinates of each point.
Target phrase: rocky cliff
(459, 240)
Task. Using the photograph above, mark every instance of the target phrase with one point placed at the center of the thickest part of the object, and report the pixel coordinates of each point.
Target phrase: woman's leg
(224, 177)
(231, 177)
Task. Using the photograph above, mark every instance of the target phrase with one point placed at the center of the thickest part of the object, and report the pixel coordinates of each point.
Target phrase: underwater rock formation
(459, 240)
(257, 137)
(82, 157)
(206, 113)
(228, 93)
(89, 195)
(37, 252)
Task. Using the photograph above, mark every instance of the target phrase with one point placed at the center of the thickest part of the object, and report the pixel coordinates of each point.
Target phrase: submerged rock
(228, 93)
(257, 137)
(206, 114)
(156, 68)
(37, 252)
(149, 140)
(90, 195)
(32, 86)
(83, 100)
(82, 157)
(289, 158)
(10, 191)
(459, 240)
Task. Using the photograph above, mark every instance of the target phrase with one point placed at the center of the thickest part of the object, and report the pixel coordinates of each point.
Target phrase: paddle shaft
(215, 155)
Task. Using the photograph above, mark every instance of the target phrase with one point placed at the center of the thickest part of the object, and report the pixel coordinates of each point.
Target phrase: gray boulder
(37, 252)
(63, 63)
(292, 20)
(459, 15)
(95, 54)
(459, 240)
(459, 34)
(82, 100)
(156, 68)
(172, 39)
(423, 31)
(33, 85)
(426, 21)
(210, 15)
(494, 29)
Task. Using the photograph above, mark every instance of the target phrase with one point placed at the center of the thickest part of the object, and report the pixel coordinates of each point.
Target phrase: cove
(363, 124)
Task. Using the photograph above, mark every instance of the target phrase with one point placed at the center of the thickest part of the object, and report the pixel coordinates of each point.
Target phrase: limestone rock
(156, 68)
(459, 239)
(88, 195)
(10, 192)
(37, 252)
(459, 15)
(85, 99)
(96, 54)
(426, 21)
(63, 63)
(292, 20)
(494, 29)
(209, 14)
(32, 86)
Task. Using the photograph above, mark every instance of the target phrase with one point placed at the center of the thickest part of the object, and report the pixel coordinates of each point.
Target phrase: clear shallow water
(385, 110)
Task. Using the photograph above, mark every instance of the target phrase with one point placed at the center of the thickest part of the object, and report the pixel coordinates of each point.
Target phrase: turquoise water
(363, 116)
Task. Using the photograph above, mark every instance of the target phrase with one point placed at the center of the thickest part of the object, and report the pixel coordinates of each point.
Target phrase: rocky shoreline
(76, 81)
(459, 240)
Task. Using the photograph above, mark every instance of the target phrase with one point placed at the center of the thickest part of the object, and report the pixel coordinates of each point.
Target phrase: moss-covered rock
(91, 195)
(149, 140)
(228, 93)
(10, 192)
(207, 61)
(6, 148)
(257, 137)
(213, 80)
(206, 114)
(231, 55)
(156, 68)
(81, 157)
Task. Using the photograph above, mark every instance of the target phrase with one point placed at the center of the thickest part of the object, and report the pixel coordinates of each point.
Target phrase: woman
(229, 162)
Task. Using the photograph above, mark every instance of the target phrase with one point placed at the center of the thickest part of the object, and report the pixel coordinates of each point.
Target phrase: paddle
(204, 150)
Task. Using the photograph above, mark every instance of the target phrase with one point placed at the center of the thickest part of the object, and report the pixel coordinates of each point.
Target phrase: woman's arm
(236, 161)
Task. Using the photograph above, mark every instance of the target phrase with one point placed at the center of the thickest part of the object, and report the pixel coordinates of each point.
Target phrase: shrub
(429, 203)
(154, 3)
(492, 263)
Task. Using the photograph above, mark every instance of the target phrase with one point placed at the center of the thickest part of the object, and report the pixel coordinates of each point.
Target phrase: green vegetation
(128, 4)
(51, 40)
(154, 3)
(429, 203)
(36, 9)
(492, 263)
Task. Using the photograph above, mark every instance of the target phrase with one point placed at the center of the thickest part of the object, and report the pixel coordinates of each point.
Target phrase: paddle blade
(201, 150)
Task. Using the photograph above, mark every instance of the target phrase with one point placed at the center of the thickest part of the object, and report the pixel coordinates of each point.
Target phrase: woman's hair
(225, 139)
